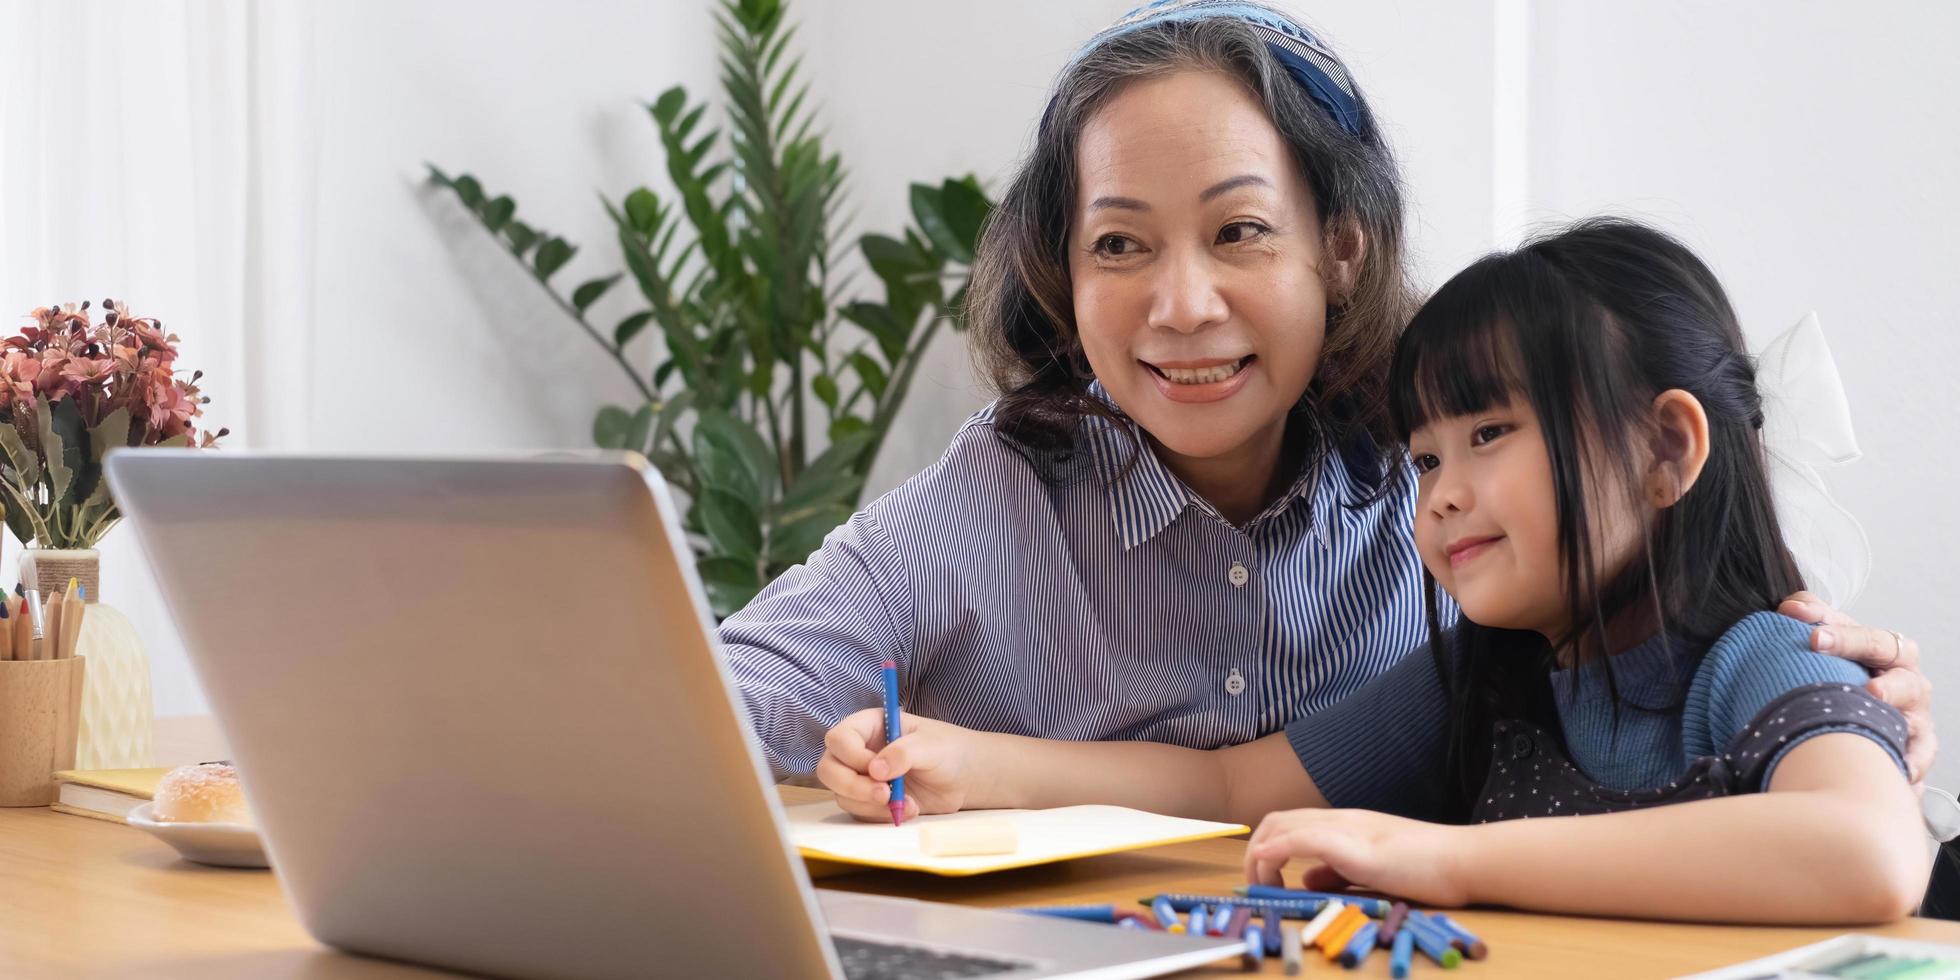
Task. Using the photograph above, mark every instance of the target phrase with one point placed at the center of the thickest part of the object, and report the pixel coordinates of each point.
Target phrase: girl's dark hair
(1020, 301)
(1588, 325)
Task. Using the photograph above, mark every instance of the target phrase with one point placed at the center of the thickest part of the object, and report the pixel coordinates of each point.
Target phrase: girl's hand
(933, 756)
(1894, 663)
(1370, 850)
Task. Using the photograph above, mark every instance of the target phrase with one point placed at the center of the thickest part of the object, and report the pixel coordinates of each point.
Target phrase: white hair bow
(1806, 427)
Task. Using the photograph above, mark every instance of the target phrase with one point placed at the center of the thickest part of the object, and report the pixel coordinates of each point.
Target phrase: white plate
(230, 845)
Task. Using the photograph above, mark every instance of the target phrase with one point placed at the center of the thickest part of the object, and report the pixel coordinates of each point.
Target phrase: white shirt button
(1238, 576)
(1235, 683)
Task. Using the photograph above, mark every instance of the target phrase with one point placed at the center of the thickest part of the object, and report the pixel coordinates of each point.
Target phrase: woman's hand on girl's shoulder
(1893, 660)
(933, 756)
(1361, 848)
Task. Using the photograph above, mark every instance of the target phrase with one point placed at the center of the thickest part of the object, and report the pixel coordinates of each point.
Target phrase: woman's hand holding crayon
(934, 757)
(1362, 848)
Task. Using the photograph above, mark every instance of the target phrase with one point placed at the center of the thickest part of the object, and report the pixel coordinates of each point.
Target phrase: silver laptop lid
(476, 710)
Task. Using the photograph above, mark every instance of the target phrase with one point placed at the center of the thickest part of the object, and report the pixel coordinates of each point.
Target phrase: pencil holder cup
(40, 716)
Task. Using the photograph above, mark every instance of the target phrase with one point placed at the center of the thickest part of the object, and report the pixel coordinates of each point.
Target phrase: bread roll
(205, 793)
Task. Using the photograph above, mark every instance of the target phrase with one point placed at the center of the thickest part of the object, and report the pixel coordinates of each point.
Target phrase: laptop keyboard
(886, 961)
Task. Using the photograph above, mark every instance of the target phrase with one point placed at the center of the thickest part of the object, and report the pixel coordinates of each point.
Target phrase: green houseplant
(760, 354)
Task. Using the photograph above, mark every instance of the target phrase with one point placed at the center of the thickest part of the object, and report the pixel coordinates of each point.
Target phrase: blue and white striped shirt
(1115, 606)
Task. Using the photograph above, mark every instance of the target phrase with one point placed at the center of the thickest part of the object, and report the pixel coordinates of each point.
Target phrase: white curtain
(158, 152)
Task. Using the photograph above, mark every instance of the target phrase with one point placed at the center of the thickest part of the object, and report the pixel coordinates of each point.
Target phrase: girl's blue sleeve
(1763, 662)
(1382, 747)
(807, 650)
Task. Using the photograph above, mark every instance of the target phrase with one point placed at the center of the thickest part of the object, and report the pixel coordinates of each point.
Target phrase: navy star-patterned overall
(1530, 775)
(1676, 724)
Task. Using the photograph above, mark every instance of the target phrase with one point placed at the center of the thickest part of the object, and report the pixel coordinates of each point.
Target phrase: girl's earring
(1666, 495)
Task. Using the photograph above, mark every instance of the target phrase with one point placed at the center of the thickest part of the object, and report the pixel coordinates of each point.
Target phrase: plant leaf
(873, 375)
(609, 427)
(468, 189)
(20, 504)
(731, 582)
(521, 236)
(741, 442)
(930, 214)
(18, 519)
(965, 208)
(61, 475)
(631, 327)
(552, 256)
(795, 541)
(641, 428)
(26, 466)
(497, 213)
(670, 414)
(588, 293)
(111, 432)
(669, 104)
(845, 426)
(720, 464)
(833, 477)
(643, 210)
(882, 324)
(731, 523)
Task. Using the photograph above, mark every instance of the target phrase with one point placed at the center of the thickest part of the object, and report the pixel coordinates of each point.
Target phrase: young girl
(1584, 423)
(1178, 522)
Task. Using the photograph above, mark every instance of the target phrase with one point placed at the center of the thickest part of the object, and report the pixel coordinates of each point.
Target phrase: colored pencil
(71, 618)
(56, 606)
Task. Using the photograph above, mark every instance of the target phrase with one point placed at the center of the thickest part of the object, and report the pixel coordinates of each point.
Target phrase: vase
(117, 712)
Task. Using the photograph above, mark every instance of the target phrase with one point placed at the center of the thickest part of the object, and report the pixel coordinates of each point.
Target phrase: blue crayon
(1360, 946)
(1291, 908)
(1087, 913)
(1166, 915)
(1255, 948)
(1375, 907)
(893, 730)
(1463, 939)
(1433, 942)
(1401, 953)
(1221, 919)
(1200, 920)
(1271, 930)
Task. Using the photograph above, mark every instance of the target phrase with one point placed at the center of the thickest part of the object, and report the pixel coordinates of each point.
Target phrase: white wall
(426, 334)
(1804, 152)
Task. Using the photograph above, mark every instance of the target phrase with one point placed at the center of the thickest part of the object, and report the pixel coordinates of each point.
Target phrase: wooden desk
(81, 897)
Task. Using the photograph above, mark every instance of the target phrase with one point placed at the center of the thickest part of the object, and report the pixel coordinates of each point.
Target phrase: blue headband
(1305, 57)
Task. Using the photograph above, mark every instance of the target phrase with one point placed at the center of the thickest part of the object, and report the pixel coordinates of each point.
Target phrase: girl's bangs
(1459, 356)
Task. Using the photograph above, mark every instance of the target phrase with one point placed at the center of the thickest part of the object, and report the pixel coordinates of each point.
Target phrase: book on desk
(105, 794)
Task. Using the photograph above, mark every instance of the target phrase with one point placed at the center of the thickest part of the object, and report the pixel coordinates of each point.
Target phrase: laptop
(483, 721)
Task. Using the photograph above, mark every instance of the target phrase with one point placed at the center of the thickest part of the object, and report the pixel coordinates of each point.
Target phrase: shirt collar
(1145, 496)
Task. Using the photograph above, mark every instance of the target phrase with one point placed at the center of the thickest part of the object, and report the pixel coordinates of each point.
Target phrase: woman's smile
(1200, 381)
